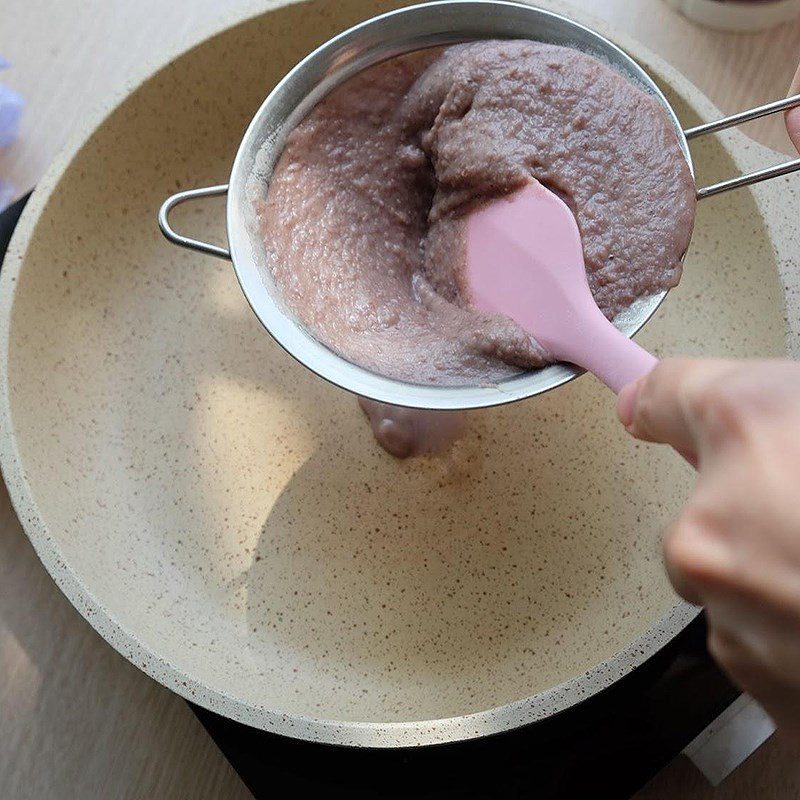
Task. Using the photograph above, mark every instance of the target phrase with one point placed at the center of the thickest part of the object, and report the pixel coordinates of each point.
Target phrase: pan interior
(227, 513)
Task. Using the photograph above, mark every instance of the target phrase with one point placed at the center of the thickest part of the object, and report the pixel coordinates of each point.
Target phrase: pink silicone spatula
(525, 260)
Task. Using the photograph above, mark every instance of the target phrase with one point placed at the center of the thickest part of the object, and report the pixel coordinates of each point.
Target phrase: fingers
(780, 699)
(793, 115)
(694, 556)
(735, 548)
(754, 631)
(664, 405)
(763, 661)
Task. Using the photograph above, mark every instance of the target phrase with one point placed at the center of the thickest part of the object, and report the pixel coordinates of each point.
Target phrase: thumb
(662, 406)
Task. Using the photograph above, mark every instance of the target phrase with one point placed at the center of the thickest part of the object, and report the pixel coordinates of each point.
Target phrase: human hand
(735, 547)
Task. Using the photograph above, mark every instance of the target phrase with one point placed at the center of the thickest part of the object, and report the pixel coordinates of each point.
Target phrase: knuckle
(679, 562)
(722, 410)
(659, 394)
(693, 550)
(676, 548)
(647, 403)
(681, 542)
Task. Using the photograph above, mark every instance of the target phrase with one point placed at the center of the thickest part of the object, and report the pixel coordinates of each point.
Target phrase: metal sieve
(429, 24)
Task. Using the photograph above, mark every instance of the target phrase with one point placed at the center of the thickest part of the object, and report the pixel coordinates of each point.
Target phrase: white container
(738, 15)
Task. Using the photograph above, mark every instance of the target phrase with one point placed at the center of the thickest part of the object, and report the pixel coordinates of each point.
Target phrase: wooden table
(76, 719)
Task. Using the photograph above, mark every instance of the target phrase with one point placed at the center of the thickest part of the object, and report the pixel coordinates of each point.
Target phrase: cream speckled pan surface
(223, 518)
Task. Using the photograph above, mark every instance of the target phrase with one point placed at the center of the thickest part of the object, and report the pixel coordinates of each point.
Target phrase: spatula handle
(608, 353)
(616, 360)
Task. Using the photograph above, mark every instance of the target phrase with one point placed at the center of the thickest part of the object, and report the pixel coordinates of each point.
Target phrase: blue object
(11, 104)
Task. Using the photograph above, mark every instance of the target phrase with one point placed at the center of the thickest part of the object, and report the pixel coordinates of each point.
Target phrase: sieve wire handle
(737, 119)
(732, 121)
(184, 241)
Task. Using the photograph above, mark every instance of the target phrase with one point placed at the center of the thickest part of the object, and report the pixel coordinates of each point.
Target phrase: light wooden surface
(76, 719)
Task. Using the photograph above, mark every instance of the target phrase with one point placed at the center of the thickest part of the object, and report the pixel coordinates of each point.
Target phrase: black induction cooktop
(606, 747)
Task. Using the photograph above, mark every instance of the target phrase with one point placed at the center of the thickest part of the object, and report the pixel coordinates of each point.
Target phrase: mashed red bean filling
(364, 218)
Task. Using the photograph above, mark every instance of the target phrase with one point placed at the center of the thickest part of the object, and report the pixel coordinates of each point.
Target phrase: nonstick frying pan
(222, 516)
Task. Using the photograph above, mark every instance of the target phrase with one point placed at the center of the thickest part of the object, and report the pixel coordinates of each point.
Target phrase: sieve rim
(400, 31)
